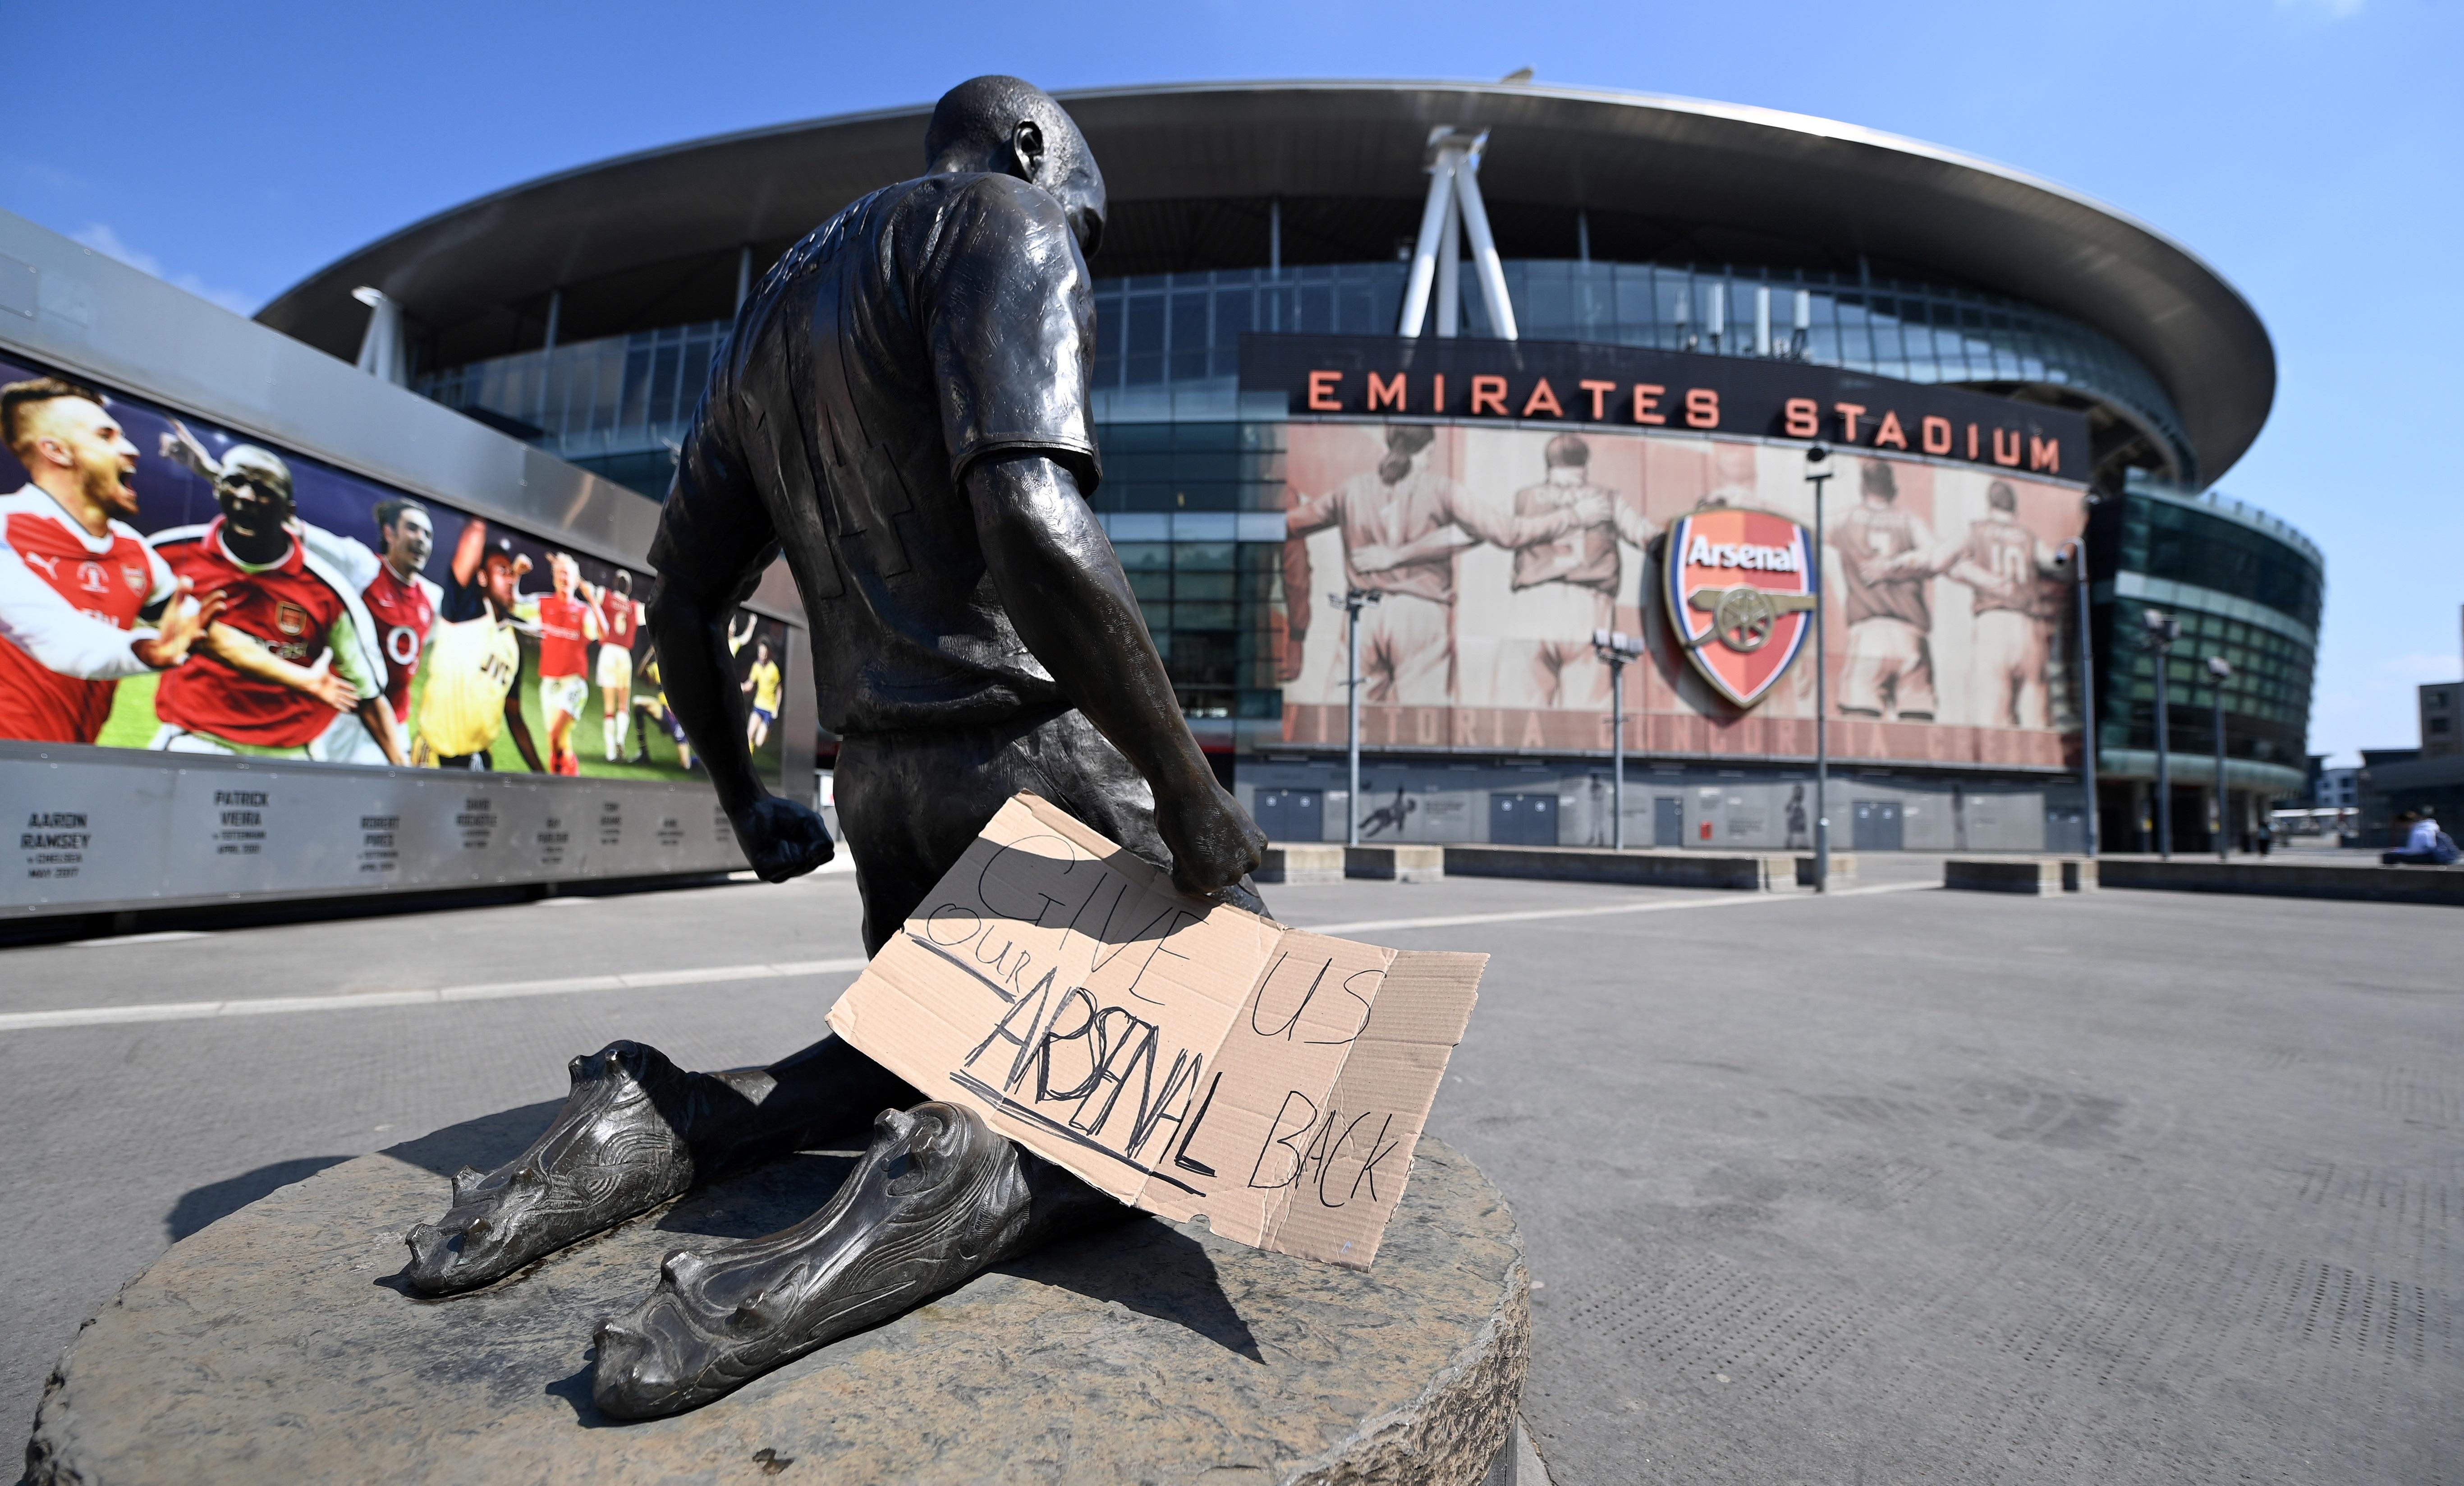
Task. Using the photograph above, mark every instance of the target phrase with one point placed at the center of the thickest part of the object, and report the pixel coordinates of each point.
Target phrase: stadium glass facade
(1194, 490)
(1628, 225)
(617, 403)
(1194, 483)
(2249, 590)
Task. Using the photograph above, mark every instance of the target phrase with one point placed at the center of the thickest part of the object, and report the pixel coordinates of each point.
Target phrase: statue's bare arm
(688, 619)
(1065, 591)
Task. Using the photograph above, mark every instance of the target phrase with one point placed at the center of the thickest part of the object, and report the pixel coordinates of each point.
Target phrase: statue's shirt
(926, 326)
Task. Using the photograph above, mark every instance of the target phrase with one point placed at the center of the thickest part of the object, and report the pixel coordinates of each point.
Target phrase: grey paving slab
(1907, 1187)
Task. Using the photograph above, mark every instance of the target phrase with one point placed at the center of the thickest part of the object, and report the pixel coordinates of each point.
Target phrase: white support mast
(1455, 207)
(1434, 217)
(1484, 247)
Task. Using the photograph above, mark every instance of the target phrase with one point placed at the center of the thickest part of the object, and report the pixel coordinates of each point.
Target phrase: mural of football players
(1402, 525)
(567, 625)
(762, 685)
(296, 645)
(650, 703)
(1563, 536)
(401, 600)
(475, 662)
(74, 575)
(1407, 643)
(1564, 584)
(1888, 670)
(2005, 568)
(619, 622)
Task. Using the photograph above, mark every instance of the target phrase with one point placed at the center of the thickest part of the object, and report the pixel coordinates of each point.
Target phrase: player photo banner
(355, 624)
(1497, 550)
(1741, 597)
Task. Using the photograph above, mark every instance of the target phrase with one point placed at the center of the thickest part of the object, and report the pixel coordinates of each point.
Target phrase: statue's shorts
(909, 804)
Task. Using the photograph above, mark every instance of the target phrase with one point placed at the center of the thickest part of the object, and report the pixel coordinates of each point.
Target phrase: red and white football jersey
(289, 608)
(564, 635)
(619, 616)
(404, 611)
(108, 578)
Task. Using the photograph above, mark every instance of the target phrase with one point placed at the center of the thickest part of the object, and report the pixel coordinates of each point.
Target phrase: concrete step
(1398, 863)
(2280, 878)
(2042, 877)
(1302, 861)
(1751, 871)
(1326, 862)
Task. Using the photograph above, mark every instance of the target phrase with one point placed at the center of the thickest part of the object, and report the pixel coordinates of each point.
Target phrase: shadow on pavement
(1148, 1266)
(200, 1205)
(486, 1142)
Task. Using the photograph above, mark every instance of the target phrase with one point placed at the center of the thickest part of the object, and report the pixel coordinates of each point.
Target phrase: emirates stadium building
(1512, 363)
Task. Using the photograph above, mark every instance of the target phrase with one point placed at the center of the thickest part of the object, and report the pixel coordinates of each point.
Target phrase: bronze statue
(902, 409)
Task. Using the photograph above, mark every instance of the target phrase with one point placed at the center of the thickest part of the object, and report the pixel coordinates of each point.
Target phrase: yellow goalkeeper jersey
(471, 668)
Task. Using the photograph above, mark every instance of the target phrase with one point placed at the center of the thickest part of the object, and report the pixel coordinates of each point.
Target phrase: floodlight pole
(2163, 629)
(1352, 601)
(2219, 672)
(2077, 549)
(1816, 474)
(1617, 752)
(1616, 648)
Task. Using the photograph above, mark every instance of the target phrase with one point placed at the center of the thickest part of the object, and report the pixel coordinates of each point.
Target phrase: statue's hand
(781, 838)
(1214, 842)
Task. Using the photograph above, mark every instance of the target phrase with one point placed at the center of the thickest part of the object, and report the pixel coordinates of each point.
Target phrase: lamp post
(1352, 601)
(2075, 552)
(1615, 647)
(1814, 475)
(2163, 629)
(2219, 672)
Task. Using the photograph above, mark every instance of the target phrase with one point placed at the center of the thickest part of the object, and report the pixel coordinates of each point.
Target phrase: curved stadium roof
(651, 238)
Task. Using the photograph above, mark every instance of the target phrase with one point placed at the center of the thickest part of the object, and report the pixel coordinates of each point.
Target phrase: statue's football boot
(617, 1148)
(937, 1198)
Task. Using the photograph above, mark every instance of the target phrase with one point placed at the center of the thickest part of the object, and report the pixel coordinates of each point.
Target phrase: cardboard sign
(1185, 1057)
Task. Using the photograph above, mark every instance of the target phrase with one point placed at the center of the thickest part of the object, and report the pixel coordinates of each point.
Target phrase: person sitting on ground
(2425, 844)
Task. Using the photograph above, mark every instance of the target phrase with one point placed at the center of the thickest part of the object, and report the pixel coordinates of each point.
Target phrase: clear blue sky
(2307, 148)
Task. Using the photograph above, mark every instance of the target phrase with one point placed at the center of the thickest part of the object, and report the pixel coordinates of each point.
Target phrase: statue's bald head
(1009, 126)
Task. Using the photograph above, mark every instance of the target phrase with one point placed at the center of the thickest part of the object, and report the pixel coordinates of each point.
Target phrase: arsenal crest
(1741, 595)
(290, 619)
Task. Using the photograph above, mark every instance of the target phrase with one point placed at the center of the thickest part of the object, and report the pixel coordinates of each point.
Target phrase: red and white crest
(290, 619)
(1740, 592)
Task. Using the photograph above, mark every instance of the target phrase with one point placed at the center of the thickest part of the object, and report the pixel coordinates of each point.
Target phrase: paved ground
(1900, 1186)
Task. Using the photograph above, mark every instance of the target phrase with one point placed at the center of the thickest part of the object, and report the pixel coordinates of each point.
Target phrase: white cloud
(103, 239)
(2418, 668)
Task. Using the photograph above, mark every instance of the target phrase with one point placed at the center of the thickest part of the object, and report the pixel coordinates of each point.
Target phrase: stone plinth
(276, 1346)
(1396, 863)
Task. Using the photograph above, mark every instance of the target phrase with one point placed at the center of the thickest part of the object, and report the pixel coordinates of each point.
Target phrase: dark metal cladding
(1706, 173)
